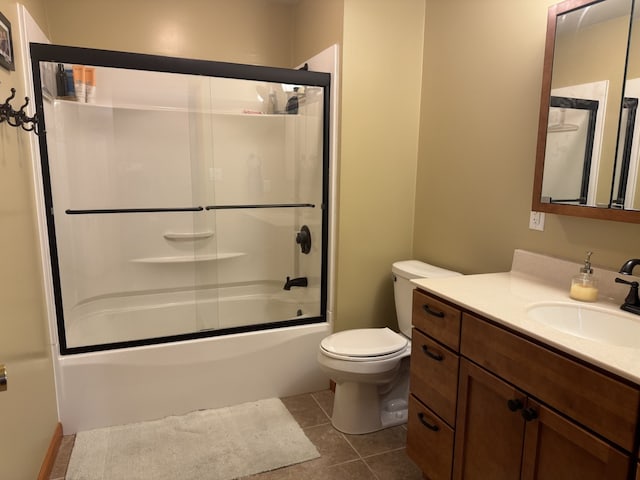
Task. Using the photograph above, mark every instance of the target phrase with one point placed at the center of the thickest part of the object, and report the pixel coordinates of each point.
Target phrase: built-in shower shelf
(189, 258)
(187, 235)
(237, 113)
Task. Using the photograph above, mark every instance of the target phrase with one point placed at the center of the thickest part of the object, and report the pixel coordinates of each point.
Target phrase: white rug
(220, 444)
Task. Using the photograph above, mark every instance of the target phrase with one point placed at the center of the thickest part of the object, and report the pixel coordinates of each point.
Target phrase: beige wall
(382, 67)
(317, 24)
(481, 94)
(28, 413)
(255, 32)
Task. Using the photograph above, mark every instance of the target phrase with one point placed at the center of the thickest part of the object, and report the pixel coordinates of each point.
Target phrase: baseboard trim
(52, 452)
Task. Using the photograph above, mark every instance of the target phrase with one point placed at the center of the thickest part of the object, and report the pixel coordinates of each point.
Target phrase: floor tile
(325, 400)
(393, 465)
(356, 470)
(331, 445)
(378, 442)
(305, 410)
(352, 470)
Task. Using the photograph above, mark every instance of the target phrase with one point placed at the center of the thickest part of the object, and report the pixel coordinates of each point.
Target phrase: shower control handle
(303, 238)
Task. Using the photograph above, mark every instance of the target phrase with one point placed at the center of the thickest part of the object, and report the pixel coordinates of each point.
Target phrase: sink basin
(588, 321)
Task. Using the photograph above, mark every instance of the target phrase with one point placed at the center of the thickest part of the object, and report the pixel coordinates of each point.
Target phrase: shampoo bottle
(584, 286)
(61, 81)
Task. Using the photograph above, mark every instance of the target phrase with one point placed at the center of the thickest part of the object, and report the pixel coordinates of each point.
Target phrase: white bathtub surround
(144, 383)
(220, 444)
(505, 298)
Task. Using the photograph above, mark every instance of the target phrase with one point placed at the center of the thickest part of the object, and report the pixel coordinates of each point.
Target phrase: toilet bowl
(370, 366)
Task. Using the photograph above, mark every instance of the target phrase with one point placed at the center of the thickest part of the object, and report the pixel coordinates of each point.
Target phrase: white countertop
(504, 298)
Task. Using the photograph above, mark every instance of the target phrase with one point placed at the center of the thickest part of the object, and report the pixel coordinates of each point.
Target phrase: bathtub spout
(295, 282)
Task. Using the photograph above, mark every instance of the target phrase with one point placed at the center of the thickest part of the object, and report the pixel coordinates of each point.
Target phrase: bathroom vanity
(496, 393)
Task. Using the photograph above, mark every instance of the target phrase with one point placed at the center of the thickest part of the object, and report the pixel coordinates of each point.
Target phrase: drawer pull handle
(436, 356)
(515, 404)
(529, 414)
(430, 426)
(434, 313)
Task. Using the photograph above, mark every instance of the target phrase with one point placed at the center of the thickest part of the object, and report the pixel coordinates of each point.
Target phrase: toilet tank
(402, 273)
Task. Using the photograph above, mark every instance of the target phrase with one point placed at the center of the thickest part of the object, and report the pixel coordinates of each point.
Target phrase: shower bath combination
(176, 206)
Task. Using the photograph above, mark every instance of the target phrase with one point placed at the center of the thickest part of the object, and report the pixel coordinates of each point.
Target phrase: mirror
(587, 155)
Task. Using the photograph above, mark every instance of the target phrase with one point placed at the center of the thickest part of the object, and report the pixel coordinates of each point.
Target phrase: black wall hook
(19, 118)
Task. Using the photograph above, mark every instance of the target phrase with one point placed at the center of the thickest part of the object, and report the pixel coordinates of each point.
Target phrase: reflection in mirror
(570, 149)
(626, 191)
(623, 193)
(585, 59)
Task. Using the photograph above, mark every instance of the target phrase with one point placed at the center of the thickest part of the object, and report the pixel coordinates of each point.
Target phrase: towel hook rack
(19, 118)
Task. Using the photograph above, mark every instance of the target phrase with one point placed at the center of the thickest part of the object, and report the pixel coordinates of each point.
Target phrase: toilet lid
(364, 342)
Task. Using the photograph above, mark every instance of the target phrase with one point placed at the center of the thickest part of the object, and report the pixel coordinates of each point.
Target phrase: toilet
(370, 366)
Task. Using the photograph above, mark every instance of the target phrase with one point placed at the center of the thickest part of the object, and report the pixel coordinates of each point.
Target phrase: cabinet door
(557, 448)
(429, 441)
(489, 427)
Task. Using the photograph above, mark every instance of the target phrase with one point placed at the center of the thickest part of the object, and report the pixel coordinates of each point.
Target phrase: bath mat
(219, 444)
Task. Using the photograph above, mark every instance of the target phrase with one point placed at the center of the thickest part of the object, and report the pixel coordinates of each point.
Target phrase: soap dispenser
(584, 286)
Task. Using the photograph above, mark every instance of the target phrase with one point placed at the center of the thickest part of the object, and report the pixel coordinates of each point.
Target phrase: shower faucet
(295, 282)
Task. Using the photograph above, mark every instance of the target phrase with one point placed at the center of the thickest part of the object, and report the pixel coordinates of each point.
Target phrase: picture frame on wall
(6, 44)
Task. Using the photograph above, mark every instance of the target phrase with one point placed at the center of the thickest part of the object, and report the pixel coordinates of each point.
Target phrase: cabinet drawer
(436, 319)
(434, 375)
(429, 441)
(595, 400)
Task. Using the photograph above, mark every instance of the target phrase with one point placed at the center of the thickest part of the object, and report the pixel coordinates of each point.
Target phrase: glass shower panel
(267, 184)
(129, 222)
(184, 198)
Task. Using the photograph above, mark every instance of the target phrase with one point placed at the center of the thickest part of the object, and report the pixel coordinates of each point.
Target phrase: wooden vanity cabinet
(437, 319)
(433, 385)
(518, 410)
(489, 434)
(502, 434)
(593, 399)
(429, 441)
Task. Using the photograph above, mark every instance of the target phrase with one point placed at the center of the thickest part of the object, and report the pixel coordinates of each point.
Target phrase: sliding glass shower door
(185, 198)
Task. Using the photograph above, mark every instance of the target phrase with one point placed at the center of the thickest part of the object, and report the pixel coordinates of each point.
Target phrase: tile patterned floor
(375, 456)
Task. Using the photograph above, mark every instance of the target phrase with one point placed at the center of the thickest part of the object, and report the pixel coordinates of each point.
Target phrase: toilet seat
(365, 344)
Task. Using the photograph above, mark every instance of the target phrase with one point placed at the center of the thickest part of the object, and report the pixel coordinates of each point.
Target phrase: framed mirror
(587, 153)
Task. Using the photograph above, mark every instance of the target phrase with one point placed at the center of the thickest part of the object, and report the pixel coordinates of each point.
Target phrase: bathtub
(115, 387)
(121, 318)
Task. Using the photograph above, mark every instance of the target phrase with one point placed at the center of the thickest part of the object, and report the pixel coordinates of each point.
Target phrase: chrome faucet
(632, 302)
(295, 282)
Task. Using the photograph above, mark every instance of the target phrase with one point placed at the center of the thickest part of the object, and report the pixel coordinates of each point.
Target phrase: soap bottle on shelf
(584, 286)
